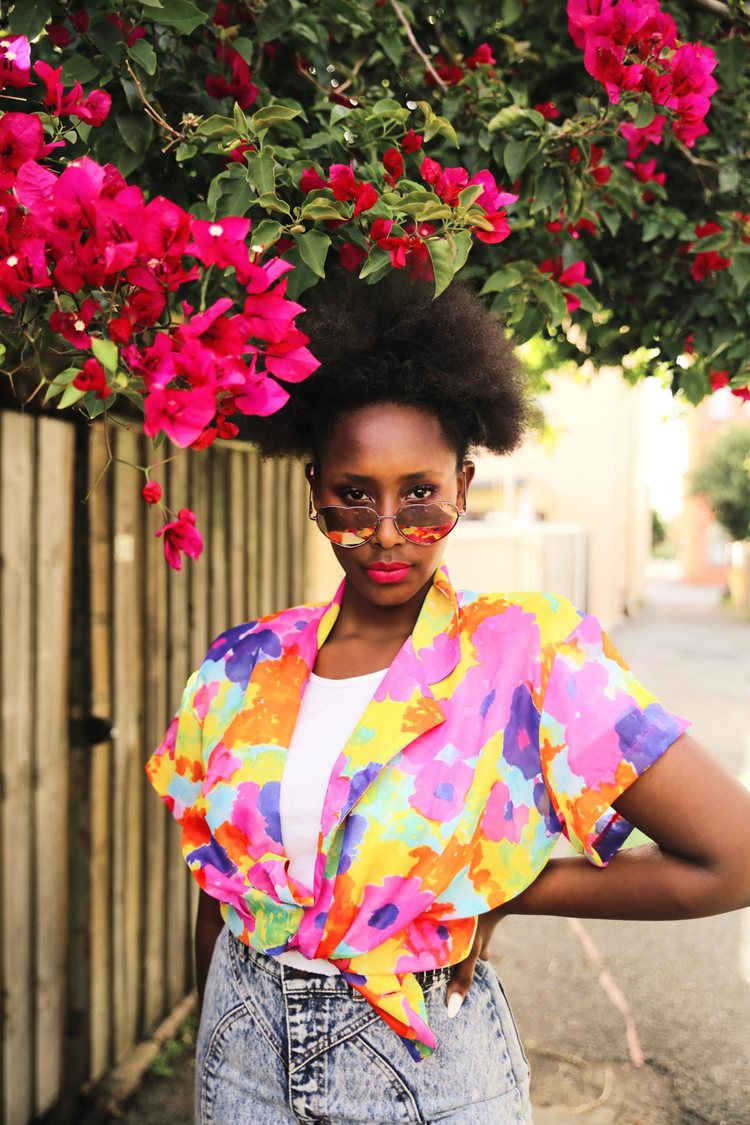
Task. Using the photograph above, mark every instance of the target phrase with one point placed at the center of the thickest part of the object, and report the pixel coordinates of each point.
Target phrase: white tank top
(329, 712)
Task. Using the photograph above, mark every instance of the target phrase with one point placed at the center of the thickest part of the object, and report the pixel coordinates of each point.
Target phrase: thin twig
(410, 36)
(153, 114)
(603, 1097)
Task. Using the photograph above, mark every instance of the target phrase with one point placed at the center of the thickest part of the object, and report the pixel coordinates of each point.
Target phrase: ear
(310, 472)
(466, 476)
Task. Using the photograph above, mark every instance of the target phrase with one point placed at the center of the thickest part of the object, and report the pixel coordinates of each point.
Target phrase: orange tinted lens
(347, 527)
(426, 523)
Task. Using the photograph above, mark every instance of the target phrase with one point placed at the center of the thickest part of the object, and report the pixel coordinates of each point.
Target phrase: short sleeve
(175, 768)
(600, 728)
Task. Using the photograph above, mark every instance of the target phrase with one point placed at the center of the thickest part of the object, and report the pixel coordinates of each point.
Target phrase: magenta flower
(181, 414)
(15, 61)
(221, 243)
(181, 535)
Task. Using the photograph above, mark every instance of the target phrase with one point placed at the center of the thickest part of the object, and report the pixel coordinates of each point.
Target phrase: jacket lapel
(403, 708)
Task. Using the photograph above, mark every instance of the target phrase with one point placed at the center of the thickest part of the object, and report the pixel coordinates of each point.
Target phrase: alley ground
(589, 998)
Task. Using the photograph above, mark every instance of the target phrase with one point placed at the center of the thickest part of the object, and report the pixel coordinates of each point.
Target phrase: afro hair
(393, 342)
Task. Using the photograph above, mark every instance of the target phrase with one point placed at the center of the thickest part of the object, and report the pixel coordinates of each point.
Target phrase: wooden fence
(97, 639)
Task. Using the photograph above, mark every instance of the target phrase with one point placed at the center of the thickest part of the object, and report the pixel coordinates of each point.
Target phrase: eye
(422, 492)
(355, 496)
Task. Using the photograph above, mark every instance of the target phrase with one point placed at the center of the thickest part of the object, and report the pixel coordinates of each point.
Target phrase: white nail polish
(454, 1003)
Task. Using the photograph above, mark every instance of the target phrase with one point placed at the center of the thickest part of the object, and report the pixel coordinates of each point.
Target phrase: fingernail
(455, 1000)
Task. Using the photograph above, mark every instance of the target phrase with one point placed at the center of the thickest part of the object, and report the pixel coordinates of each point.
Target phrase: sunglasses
(355, 525)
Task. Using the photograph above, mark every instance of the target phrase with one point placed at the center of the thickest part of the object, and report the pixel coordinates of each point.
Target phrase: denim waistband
(426, 977)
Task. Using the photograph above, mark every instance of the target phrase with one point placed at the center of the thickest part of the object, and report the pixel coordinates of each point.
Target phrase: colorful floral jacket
(504, 720)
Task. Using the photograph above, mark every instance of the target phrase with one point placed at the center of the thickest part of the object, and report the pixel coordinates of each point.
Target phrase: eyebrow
(358, 478)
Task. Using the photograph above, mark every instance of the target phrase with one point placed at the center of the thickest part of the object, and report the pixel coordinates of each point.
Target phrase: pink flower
(221, 243)
(481, 56)
(639, 139)
(72, 326)
(239, 86)
(93, 109)
(289, 359)
(311, 180)
(548, 110)
(450, 73)
(575, 274)
(718, 379)
(346, 187)
(181, 535)
(151, 492)
(92, 378)
(705, 230)
(350, 255)
(412, 142)
(15, 61)
(181, 414)
(707, 262)
(393, 162)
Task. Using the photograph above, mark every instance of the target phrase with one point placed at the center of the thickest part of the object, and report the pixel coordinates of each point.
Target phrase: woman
(366, 787)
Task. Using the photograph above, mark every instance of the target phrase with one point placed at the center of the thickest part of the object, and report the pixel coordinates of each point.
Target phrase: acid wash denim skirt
(278, 1045)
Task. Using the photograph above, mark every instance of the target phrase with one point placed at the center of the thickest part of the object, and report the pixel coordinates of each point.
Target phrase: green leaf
(547, 191)
(731, 54)
(392, 46)
(462, 244)
(470, 194)
(552, 296)
(144, 54)
(215, 124)
(511, 115)
(260, 171)
(265, 233)
(313, 247)
(511, 11)
(106, 352)
(271, 202)
(376, 260)
(29, 17)
(244, 47)
(60, 382)
(645, 114)
(180, 14)
(276, 18)
(740, 274)
(79, 69)
(272, 115)
(136, 129)
(322, 208)
(442, 256)
(70, 395)
(517, 155)
(530, 324)
(501, 279)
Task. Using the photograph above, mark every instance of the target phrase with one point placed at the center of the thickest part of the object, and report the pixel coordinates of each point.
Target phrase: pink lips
(388, 572)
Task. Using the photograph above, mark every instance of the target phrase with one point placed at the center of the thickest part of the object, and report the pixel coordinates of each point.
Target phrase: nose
(388, 535)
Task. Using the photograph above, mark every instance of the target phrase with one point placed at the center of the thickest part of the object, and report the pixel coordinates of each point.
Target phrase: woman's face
(384, 456)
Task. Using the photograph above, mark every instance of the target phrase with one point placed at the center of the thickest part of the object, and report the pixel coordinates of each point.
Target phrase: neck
(361, 617)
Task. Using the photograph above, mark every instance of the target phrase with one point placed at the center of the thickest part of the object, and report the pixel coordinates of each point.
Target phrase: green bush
(724, 478)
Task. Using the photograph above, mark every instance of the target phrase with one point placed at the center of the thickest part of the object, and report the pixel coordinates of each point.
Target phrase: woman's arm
(208, 926)
(697, 813)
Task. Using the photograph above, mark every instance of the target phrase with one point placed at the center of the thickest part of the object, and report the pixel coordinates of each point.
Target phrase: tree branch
(719, 8)
(410, 36)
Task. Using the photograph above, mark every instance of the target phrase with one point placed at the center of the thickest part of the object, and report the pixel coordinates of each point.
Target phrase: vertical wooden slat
(297, 532)
(16, 825)
(218, 544)
(99, 796)
(52, 572)
(281, 536)
(156, 716)
(199, 576)
(266, 521)
(176, 969)
(127, 788)
(253, 547)
(237, 519)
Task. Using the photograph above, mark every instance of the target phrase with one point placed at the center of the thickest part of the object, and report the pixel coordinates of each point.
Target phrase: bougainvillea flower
(24, 269)
(129, 31)
(346, 187)
(72, 325)
(707, 262)
(120, 329)
(181, 536)
(691, 67)
(221, 243)
(393, 162)
(718, 379)
(450, 73)
(638, 140)
(21, 139)
(181, 414)
(705, 230)
(311, 179)
(290, 359)
(259, 394)
(381, 228)
(15, 62)
(151, 492)
(350, 256)
(412, 142)
(240, 86)
(71, 103)
(574, 274)
(92, 378)
(270, 314)
(742, 393)
(481, 56)
(548, 110)
(581, 14)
